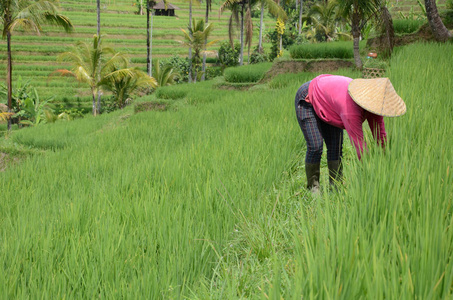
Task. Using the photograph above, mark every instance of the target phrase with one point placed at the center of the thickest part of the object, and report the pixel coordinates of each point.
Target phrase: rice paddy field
(35, 57)
(207, 201)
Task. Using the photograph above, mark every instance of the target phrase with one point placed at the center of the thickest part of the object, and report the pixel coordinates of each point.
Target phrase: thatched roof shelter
(160, 10)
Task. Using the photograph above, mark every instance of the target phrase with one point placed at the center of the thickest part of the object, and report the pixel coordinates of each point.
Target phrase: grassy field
(206, 200)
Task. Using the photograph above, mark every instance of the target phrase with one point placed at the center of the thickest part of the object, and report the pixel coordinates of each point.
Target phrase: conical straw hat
(377, 96)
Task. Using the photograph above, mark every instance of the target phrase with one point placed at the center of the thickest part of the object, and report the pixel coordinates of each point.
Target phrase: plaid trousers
(315, 130)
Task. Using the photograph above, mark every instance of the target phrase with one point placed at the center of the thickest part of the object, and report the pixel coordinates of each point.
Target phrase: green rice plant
(159, 223)
(284, 80)
(374, 237)
(342, 49)
(245, 74)
(171, 93)
(406, 26)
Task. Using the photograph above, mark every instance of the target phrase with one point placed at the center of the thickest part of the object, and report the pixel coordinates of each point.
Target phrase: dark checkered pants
(315, 131)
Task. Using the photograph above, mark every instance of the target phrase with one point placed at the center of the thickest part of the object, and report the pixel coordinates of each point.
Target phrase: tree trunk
(151, 45)
(241, 55)
(93, 94)
(357, 59)
(260, 42)
(140, 10)
(9, 73)
(300, 16)
(190, 48)
(148, 39)
(203, 76)
(440, 32)
(98, 7)
(355, 25)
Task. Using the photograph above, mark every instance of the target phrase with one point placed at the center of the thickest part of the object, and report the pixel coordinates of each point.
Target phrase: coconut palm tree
(195, 38)
(123, 81)
(300, 16)
(440, 32)
(98, 12)
(208, 8)
(149, 34)
(165, 75)
(275, 10)
(358, 13)
(324, 16)
(243, 8)
(86, 58)
(29, 15)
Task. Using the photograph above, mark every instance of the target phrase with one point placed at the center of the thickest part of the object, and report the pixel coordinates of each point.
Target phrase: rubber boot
(335, 172)
(312, 171)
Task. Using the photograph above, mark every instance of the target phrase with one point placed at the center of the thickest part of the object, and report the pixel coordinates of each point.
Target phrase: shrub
(180, 65)
(212, 72)
(343, 50)
(256, 57)
(273, 36)
(229, 56)
(406, 26)
(249, 73)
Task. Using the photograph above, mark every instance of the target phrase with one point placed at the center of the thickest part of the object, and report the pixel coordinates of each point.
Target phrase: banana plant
(34, 110)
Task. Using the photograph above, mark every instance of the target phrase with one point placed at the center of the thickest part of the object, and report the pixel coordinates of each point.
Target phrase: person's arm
(353, 125)
(377, 127)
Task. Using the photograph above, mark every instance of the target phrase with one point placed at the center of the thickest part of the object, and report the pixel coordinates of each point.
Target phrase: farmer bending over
(328, 104)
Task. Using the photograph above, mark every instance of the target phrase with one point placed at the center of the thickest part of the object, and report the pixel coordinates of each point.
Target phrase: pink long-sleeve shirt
(332, 103)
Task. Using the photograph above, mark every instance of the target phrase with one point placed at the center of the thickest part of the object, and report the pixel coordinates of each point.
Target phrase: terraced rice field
(35, 57)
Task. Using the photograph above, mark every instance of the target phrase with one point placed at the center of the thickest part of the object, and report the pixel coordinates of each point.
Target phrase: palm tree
(98, 11)
(237, 7)
(149, 34)
(324, 16)
(165, 75)
(124, 81)
(241, 7)
(275, 10)
(300, 17)
(190, 48)
(195, 38)
(86, 58)
(29, 15)
(208, 8)
(441, 33)
(358, 13)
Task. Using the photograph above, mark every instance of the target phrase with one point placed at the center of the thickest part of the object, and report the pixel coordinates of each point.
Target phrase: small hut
(160, 10)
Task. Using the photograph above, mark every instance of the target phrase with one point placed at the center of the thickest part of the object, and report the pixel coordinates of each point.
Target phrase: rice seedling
(341, 50)
(405, 26)
(248, 73)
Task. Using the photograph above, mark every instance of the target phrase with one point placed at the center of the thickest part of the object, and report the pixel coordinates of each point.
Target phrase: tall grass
(387, 232)
(247, 73)
(405, 26)
(343, 50)
(137, 205)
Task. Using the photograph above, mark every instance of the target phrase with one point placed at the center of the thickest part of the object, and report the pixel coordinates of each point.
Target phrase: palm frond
(26, 24)
(60, 21)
